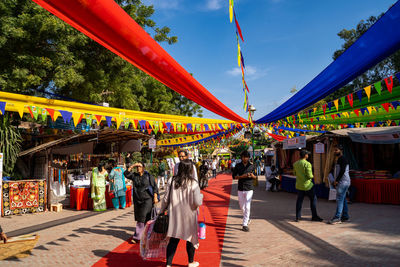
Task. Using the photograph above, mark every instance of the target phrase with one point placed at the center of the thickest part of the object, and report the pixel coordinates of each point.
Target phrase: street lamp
(252, 109)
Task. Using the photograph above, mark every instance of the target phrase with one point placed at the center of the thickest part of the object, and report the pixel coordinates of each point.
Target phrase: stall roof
(370, 130)
(103, 136)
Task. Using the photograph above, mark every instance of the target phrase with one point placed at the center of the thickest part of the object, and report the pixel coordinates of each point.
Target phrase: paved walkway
(372, 238)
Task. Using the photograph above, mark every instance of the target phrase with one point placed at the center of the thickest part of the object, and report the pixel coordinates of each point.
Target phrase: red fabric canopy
(277, 137)
(108, 24)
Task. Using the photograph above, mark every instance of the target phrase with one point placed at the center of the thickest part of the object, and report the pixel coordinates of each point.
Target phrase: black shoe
(298, 219)
(335, 221)
(245, 229)
(317, 219)
(345, 219)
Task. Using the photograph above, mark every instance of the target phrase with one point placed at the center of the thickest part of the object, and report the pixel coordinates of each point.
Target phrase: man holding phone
(244, 172)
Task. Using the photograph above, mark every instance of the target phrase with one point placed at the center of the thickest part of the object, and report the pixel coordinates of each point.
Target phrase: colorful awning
(376, 44)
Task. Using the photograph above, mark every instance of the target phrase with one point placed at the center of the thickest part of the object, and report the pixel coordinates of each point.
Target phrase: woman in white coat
(184, 197)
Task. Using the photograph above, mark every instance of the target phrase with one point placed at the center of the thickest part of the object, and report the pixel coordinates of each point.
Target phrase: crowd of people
(183, 184)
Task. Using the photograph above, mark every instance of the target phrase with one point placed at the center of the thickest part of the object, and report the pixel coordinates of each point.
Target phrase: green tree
(381, 70)
(10, 144)
(41, 52)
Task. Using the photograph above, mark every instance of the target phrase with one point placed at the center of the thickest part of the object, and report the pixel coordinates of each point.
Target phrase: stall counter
(80, 198)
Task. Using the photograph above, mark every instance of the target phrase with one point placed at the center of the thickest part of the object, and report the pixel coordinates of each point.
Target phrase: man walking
(244, 171)
(304, 185)
(342, 184)
(214, 168)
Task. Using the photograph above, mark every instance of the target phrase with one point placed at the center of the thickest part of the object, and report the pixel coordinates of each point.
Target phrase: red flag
(372, 123)
(386, 106)
(312, 119)
(357, 112)
(333, 116)
(350, 98)
(51, 113)
(98, 118)
(238, 27)
(389, 83)
(247, 88)
(324, 108)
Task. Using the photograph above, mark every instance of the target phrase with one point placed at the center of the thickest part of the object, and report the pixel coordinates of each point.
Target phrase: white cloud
(251, 73)
(214, 4)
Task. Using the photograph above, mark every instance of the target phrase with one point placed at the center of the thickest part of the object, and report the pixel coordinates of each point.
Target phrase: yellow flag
(389, 122)
(315, 109)
(230, 10)
(239, 54)
(56, 115)
(76, 116)
(20, 109)
(336, 102)
(369, 109)
(368, 91)
(118, 120)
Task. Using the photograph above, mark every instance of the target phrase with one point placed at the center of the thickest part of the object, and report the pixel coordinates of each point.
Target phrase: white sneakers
(193, 264)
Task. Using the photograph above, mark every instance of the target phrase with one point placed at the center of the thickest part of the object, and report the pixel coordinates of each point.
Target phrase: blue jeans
(341, 202)
(259, 170)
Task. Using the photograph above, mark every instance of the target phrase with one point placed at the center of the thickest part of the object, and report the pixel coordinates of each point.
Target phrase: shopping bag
(153, 245)
(332, 194)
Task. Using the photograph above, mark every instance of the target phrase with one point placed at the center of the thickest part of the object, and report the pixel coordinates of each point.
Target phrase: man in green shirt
(304, 185)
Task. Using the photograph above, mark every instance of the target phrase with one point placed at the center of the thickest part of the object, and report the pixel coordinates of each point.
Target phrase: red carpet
(216, 205)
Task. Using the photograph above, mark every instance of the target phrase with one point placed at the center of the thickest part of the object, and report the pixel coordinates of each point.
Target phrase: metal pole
(252, 141)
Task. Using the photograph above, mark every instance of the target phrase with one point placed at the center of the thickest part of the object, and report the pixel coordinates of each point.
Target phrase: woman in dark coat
(145, 195)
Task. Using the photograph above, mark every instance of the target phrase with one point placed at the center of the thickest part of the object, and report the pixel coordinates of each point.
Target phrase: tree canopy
(41, 54)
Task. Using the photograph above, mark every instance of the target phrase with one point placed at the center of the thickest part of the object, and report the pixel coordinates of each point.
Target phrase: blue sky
(287, 43)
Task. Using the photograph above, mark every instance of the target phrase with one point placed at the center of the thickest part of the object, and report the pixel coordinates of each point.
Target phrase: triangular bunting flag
(389, 83)
(395, 104)
(369, 110)
(77, 117)
(89, 119)
(336, 102)
(43, 112)
(230, 10)
(34, 112)
(368, 91)
(343, 100)
(356, 111)
(118, 120)
(66, 115)
(329, 105)
(350, 99)
(238, 27)
(386, 106)
(378, 87)
(108, 120)
(2, 107)
(324, 108)
(98, 118)
(359, 94)
(51, 113)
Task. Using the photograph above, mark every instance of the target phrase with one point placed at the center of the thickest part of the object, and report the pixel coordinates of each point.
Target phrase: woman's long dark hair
(185, 174)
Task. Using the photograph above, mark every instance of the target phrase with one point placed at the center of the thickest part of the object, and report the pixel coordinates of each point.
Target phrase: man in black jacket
(244, 171)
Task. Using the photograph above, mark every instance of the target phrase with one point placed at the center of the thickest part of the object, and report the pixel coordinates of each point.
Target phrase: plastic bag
(153, 245)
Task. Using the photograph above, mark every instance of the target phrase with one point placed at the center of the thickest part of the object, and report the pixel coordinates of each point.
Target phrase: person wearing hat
(304, 185)
(341, 183)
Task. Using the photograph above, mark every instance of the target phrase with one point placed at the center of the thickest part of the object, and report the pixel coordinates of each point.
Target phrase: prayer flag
(368, 91)
(378, 87)
(389, 83)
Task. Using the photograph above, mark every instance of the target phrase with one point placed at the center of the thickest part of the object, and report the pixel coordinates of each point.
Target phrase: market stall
(67, 163)
(372, 153)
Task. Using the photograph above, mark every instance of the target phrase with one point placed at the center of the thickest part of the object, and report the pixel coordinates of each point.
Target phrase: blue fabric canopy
(376, 44)
(299, 130)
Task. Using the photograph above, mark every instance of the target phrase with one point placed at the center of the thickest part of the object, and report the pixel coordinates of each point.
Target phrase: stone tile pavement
(372, 238)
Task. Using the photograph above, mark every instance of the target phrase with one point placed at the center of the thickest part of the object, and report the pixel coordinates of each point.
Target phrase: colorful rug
(216, 205)
(23, 197)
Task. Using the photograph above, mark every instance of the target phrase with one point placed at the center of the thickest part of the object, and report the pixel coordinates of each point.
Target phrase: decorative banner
(368, 91)
(336, 102)
(77, 117)
(66, 115)
(2, 107)
(350, 99)
(389, 83)
(359, 94)
(109, 121)
(378, 87)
